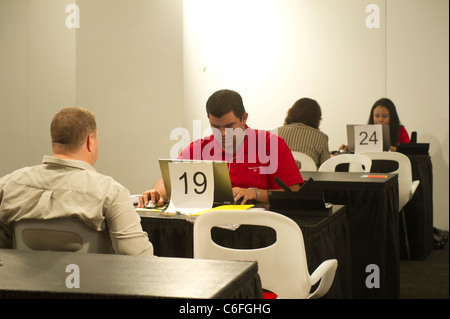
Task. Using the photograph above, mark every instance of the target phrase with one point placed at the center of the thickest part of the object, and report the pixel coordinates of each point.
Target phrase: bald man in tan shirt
(67, 185)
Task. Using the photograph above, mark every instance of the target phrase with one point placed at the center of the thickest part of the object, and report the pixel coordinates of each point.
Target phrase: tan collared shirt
(71, 188)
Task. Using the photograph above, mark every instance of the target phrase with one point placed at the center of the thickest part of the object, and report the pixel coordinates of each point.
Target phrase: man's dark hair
(223, 102)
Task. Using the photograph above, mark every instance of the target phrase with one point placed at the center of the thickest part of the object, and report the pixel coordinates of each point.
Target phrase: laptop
(304, 203)
(223, 193)
(351, 137)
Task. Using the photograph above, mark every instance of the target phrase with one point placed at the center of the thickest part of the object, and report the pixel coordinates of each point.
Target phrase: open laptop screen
(351, 138)
(223, 193)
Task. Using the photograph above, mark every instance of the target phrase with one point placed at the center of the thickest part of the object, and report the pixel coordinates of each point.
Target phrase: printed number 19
(202, 183)
(373, 138)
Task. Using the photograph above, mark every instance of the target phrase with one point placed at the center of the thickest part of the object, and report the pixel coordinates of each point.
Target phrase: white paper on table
(192, 187)
(368, 138)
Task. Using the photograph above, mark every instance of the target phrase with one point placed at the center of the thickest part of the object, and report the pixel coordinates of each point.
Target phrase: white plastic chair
(307, 163)
(60, 234)
(282, 266)
(358, 163)
(406, 186)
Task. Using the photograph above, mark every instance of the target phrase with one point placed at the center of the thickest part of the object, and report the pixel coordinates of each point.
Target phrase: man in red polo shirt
(254, 157)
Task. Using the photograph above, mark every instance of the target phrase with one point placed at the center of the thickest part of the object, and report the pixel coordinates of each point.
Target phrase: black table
(372, 211)
(324, 238)
(41, 274)
(419, 211)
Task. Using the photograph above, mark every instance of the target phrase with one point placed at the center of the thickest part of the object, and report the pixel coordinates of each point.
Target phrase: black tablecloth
(42, 274)
(419, 211)
(372, 211)
(325, 238)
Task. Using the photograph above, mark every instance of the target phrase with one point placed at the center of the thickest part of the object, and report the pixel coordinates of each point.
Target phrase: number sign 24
(368, 138)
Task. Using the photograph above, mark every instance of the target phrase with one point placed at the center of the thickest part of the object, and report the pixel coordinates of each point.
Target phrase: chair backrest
(306, 162)
(60, 234)
(404, 172)
(282, 266)
(358, 163)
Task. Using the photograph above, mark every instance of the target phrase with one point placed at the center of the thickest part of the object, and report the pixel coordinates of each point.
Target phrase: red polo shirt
(261, 157)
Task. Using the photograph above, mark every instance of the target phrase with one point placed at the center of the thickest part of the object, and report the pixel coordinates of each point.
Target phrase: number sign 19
(203, 184)
(192, 185)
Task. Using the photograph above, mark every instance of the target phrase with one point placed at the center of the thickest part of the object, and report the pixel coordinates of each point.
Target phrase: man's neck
(71, 156)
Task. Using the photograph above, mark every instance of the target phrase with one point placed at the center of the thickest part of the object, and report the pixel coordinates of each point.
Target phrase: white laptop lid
(223, 193)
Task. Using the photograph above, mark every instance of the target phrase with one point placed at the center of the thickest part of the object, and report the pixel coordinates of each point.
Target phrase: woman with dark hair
(384, 112)
(301, 130)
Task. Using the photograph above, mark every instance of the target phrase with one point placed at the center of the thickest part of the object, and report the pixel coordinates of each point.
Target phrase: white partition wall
(147, 67)
(274, 52)
(124, 62)
(418, 82)
(345, 54)
(129, 69)
(37, 77)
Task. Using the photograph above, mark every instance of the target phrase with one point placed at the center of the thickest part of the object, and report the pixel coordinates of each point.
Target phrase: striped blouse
(306, 139)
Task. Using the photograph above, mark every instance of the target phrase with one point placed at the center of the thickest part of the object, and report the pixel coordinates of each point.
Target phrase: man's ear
(90, 142)
(244, 118)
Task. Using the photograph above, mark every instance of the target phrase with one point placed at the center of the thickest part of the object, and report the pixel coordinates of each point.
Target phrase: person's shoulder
(190, 151)
(325, 136)
(317, 131)
(106, 181)
(261, 132)
(202, 141)
(300, 128)
(19, 172)
(263, 135)
(403, 129)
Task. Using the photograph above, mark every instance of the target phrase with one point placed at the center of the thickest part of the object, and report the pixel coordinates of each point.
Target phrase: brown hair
(306, 111)
(71, 127)
(223, 102)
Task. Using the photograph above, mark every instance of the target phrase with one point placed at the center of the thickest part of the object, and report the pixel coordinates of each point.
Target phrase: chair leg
(405, 232)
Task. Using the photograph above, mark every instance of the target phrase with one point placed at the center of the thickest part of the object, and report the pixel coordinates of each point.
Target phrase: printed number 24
(201, 184)
(373, 138)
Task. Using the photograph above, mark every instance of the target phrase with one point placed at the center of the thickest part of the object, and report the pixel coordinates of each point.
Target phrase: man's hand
(156, 195)
(150, 195)
(244, 194)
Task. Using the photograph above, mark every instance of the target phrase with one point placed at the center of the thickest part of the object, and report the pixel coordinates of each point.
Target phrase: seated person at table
(255, 157)
(301, 130)
(66, 185)
(384, 112)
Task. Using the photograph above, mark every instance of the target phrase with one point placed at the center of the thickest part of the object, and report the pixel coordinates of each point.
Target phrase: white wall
(129, 71)
(274, 52)
(125, 63)
(37, 77)
(146, 67)
(418, 82)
